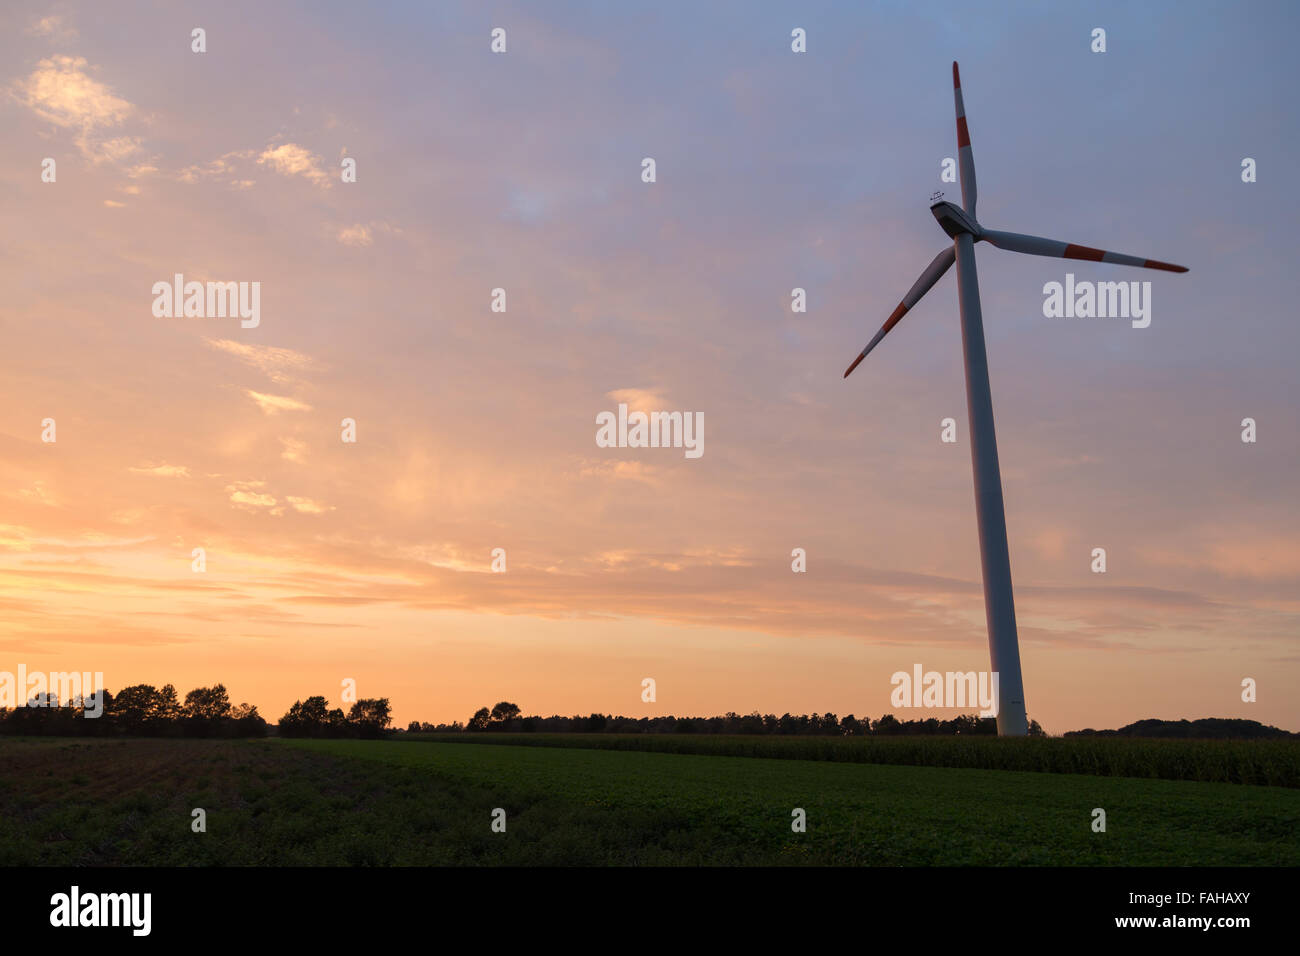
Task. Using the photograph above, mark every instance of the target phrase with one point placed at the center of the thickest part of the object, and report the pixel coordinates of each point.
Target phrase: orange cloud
(290, 159)
(273, 404)
(62, 92)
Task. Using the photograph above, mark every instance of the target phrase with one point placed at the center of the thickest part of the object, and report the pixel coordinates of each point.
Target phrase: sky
(371, 560)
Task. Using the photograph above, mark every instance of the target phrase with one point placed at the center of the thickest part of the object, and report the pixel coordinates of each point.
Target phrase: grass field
(348, 802)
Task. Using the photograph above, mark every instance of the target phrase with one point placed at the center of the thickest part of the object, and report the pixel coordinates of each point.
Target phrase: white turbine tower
(960, 223)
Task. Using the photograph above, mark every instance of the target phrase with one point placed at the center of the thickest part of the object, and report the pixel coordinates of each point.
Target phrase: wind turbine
(960, 223)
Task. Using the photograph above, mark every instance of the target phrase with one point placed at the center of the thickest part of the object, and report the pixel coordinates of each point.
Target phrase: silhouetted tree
(306, 718)
(135, 709)
(369, 717)
(503, 714)
(888, 724)
(207, 703)
(166, 712)
(244, 721)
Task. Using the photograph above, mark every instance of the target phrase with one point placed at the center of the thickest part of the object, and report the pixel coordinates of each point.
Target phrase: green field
(350, 802)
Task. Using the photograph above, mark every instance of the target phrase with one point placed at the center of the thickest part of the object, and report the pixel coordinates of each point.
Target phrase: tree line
(1207, 728)
(140, 710)
(146, 711)
(506, 717)
(143, 710)
(369, 718)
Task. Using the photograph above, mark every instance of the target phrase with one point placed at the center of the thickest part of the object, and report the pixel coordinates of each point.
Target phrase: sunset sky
(476, 430)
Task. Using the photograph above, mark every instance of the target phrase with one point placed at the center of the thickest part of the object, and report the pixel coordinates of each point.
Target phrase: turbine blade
(941, 264)
(964, 155)
(1037, 246)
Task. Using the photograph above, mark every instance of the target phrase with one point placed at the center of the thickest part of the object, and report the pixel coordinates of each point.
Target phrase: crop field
(356, 802)
(1273, 763)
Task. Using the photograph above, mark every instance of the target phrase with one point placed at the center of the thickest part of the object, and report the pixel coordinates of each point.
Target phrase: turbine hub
(955, 220)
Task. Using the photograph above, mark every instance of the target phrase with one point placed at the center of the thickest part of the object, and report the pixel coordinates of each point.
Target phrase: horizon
(39, 700)
(327, 560)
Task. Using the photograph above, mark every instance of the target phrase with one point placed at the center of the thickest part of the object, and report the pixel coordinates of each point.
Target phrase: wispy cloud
(39, 492)
(363, 233)
(248, 495)
(294, 450)
(54, 26)
(290, 159)
(225, 166)
(162, 471)
(357, 235)
(620, 469)
(61, 91)
(280, 365)
(307, 505)
(273, 404)
(639, 399)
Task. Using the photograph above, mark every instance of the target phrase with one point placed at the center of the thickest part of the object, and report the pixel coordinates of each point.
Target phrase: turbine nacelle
(955, 220)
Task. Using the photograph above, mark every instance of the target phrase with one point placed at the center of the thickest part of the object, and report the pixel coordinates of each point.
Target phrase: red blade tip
(1166, 266)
